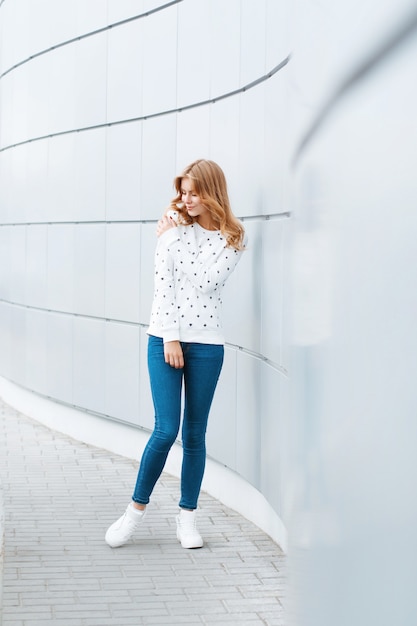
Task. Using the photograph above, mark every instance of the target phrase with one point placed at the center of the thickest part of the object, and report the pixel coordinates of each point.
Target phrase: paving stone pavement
(59, 497)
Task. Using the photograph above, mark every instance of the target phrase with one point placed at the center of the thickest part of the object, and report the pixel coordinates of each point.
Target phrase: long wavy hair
(209, 183)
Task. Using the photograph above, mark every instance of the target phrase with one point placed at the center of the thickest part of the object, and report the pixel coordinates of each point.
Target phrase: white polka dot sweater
(191, 267)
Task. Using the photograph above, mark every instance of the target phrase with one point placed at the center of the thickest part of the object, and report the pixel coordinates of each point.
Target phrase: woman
(198, 248)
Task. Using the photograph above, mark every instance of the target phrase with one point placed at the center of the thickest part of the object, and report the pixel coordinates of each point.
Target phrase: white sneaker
(187, 533)
(121, 531)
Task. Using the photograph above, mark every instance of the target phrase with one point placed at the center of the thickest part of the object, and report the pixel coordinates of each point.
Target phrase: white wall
(102, 104)
(353, 427)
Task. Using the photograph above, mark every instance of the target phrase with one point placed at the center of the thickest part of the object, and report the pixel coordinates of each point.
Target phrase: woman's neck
(205, 223)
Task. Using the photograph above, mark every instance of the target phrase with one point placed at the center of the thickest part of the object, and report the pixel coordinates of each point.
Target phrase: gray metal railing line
(381, 52)
(149, 116)
(111, 320)
(91, 33)
(242, 218)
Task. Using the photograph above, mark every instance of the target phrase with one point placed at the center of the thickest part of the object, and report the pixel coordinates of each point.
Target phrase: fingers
(164, 224)
(160, 227)
(173, 354)
(176, 362)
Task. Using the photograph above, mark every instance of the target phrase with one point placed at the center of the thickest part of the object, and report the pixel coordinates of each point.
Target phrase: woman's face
(192, 203)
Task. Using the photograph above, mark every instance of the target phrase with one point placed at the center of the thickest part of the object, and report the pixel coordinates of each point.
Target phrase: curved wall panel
(353, 421)
(101, 106)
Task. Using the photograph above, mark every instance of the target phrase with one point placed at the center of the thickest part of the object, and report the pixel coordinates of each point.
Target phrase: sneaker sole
(190, 545)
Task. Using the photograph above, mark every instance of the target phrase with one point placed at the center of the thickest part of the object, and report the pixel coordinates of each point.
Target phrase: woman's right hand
(164, 224)
(173, 354)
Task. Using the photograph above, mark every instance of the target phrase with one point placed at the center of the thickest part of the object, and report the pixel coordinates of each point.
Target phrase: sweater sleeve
(164, 309)
(206, 276)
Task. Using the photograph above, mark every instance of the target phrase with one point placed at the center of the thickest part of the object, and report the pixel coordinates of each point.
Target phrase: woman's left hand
(164, 224)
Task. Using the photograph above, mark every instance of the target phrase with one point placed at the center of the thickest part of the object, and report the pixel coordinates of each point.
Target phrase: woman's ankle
(138, 506)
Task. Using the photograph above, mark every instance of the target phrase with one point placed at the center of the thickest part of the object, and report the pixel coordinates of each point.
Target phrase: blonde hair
(209, 183)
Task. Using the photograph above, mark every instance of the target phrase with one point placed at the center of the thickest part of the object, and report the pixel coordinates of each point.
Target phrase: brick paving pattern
(60, 495)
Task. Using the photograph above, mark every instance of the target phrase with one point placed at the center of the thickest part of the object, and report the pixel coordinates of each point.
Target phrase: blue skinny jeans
(201, 371)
